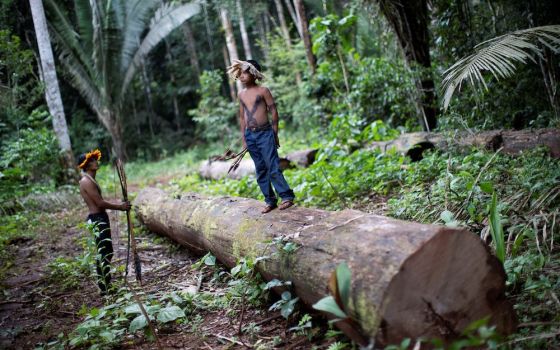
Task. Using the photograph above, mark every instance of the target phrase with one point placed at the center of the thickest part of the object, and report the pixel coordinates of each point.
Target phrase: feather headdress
(86, 158)
(235, 70)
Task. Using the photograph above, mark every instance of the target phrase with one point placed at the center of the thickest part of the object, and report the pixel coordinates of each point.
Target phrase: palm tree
(52, 90)
(103, 51)
(499, 55)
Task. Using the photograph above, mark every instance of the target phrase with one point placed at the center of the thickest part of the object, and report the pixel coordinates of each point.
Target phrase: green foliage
(361, 89)
(297, 108)
(20, 88)
(68, 273)
(215, 114)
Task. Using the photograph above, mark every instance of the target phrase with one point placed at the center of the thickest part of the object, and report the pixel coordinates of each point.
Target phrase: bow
(131, 240)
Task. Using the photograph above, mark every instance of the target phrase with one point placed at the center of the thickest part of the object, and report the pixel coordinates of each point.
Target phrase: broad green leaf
(487, 187)
(138, 323)
(343, 278)
(496, 229)
(447, 216)
(210, 260)
(328, 304)
(286, 296)
(170, 313)
(133, 309)
(288, 308)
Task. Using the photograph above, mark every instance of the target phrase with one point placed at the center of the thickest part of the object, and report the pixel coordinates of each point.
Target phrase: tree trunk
(286, 34)
(262, 36)
(230, 82)
(149, 101)
(409, 20)
(218, 169)
(230, 40)
(300, 8)
(112, 123)
(283, 24)
(173, 82)
(191, 48)
(408, 280)
(295, 17)
(52, 90)
(244, 35)
(512, 142)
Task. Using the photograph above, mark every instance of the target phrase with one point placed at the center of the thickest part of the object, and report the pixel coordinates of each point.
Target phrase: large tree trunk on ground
(512, 142)
(409, 20)
(52, 90)
(216, 170)
(409, 280)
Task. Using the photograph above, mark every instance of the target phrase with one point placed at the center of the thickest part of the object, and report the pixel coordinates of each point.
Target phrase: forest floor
(46, 297)
(50, 299)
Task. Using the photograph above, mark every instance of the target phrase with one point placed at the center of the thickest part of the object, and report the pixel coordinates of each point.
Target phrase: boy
(260, 137)
(91, 193)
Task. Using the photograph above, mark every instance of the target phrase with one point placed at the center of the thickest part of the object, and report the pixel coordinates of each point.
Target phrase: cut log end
(441, 289)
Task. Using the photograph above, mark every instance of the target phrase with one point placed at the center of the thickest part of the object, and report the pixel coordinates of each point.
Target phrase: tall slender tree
(52, 90)
(230, 39)
(104, 51)
(300, 9)
(191, 49)
(243, 30)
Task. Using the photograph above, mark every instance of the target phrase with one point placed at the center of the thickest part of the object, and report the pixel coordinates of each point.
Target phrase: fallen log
(512, 142)
(303, 158)
(218, 169)
(409, 280)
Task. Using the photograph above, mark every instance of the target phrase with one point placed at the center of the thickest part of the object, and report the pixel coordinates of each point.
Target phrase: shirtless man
(91, 193)
(260, 137)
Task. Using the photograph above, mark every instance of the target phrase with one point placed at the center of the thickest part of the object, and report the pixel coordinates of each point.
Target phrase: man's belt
(260, 128)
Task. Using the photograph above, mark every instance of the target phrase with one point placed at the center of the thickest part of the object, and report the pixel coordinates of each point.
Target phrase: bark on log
(513, 142)
(409, 280)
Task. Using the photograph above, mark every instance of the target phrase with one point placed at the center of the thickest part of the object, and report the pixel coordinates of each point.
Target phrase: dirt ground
(35, 309)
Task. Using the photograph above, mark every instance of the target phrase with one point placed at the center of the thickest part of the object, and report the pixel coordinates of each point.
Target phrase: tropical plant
(498, 56)
(103, 51)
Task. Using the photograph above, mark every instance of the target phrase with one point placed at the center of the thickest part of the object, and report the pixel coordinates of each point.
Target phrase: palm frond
(82, 12)
(80, 79)
(65, 35)
(499, 57)
(165, 20)
(136, 16)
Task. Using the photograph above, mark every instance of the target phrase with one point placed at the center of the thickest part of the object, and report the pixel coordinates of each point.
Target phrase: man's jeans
(262, 148)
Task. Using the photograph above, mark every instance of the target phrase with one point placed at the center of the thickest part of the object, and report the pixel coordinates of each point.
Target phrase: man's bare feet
(268, 209)
(286, 204)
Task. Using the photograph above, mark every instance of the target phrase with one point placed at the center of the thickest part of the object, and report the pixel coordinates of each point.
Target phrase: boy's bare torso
(254, 103)
(88, 189)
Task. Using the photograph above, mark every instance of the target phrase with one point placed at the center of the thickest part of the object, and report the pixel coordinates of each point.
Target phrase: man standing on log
(91, 193)
(260, 137)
